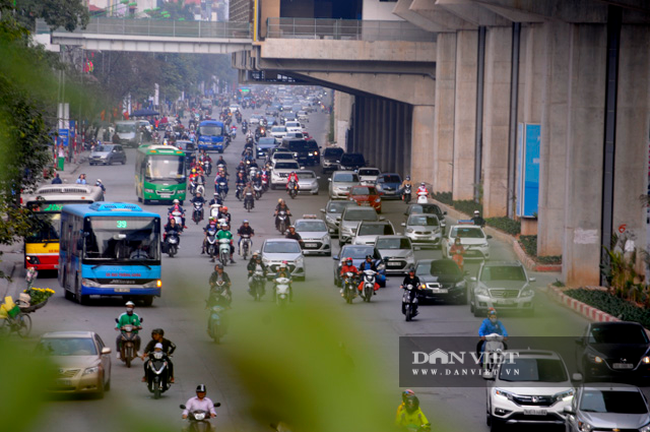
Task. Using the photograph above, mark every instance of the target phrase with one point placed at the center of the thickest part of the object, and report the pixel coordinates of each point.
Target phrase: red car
(366, 196)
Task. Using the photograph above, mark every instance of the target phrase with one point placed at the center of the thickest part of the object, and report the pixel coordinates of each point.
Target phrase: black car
(331, 158)
(614, 351)
(428, 209)
(305, 152)
(264, 145)
(352, 161)
(442, 279)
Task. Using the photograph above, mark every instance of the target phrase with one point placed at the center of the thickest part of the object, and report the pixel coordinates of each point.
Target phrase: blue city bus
(109, 249)
(212, 136)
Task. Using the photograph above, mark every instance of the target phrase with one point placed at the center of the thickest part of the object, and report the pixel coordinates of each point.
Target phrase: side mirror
(106, 350)
(116, 320)
(488, 376)
(576, 377)
(335, 257)
(80, 244)
(569, 410)
(403, 224)
(141, 320)
(444, 212)
(473, 279)
(532, 279)
(415, 248)
(381, 218)
(217, 405)
(489, 237)
(182, 406)
(329, 179)
(317, 178)
(580, 341)
(322, 210)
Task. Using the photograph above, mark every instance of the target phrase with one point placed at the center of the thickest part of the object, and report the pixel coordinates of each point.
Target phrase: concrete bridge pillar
(465, 114)
(422, 166)
(584, 159)
(443, 124)
(496, 123)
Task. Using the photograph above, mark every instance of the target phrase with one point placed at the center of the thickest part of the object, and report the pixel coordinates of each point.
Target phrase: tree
(68, 14)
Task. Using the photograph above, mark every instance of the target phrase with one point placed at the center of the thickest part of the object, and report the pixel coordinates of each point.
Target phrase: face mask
(493, 320)
(129, 311)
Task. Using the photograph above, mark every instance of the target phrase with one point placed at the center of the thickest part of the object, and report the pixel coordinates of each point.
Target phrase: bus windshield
(123, 238)
(162, 167)
(210, 130)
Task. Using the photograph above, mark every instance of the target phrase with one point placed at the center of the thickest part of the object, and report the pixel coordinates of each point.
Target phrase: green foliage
(68, 14)
(558, 283)
(468, 206)
(529, 245)
(619, 270)
(505, 224)
(612, 305)
(443, 197)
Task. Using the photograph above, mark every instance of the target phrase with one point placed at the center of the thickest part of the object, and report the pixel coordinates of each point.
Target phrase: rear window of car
(351, 158)
(286, 165)
(393, 243)
(390, 179)
(345, 177)
(369, 172)
(373, 229)
(360, 215)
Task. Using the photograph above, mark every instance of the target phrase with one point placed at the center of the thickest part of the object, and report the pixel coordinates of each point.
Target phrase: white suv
(531, 386)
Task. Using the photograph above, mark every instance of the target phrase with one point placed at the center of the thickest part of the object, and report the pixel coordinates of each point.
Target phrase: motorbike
(222, 167)
(258, 190)
(349, 287)
(246, 244)
(171, 244)
(197, 215)
(258, 284)
(216, 326)
(214, 210)
(409, 302)
(281, 291)
(238, 192)
(157, 374)
(422, 197)
(406, 194)
(197, 186)
(178, 217)
(129, 337)
(244, 129)
(221, 189)
(211, 240)
(199, 420)
(265, 182)
(249, 201)
(368, 290)
(207, 167)
(224, 251)
(281, 220)
(292, 188)
(491, 356)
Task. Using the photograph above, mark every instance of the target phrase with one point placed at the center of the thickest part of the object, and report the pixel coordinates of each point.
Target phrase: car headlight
(481, 292)
(326, 238)
(91, 370)
(90, 283)
(299, 261)
(461, 284)
(645, 360)
(504, 394)
(484, 245)
(594, 358)
(409, 230)
(265, 260)
(565, 395)
(645, 428)
(157, 283)
(377, 200)
(527, 293)
(381, 267)
(584, 426)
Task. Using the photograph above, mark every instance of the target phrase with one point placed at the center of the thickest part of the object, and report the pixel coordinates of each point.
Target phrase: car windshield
(375, 229)
(125, 127)
(422, 269)
(393, 243)
(357, 252)
(338, 206)
(444, 267)
(362, 190)
(282, 155)
(210, 130)
(292, 124)
(278, 129)
(66, 347)
(123, 238)
(360, 215)
(306, 175)
(426, 209)
(311, 226)
(390, 179)
(503, 273)
(617, 334)
(423, 220)
(345, 178)
(282, 247)
(333, 152)
(103, 149)
(612, 401)
(467, 232)
(533, 369)
(286, 165)
(369, 172)
(352, 159)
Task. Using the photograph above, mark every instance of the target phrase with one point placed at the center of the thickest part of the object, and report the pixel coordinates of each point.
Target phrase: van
(127, 133)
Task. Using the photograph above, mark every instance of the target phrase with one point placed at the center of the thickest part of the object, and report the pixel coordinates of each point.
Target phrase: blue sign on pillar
(530, 199)
(63, 136)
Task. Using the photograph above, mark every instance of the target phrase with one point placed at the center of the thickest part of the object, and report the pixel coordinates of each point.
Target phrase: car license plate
(440, 290)
(506, 302)
(122, 289)
(535, 412)
(394, 264)
(165, 195)
(64, 382)
(311, 245)
(623, 366)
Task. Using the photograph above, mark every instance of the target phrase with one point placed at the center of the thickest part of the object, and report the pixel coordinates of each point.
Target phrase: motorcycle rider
(99, 184)
(247, 189)
(244, 229)
(199, 402)
(221, 161)
(167, 346)
(128, 318)
(411, 279)
(407, 182)
(405, 395)
(293, 177)
(283, 272)
(281, 206)
(223, 293)
(198, 198)
(347, 267)
(216, 199)
(172, 227)
(292, 234)
(240, 183)
(225, 233)
(253, 264)
(369, 264)
(412, 415)
(221, 177)
(422, 190)
(490, 325)
(223, 214)
(177, 207)
(477, 219)
(212, 224)
(457, 252)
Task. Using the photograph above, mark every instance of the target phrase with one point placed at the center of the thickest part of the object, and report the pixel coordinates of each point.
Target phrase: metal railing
(340, 29)
(150, 27)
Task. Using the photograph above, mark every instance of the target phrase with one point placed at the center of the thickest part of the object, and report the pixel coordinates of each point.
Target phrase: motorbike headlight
(565, 395)
(90, 283)
(91, 370)
(594, 358)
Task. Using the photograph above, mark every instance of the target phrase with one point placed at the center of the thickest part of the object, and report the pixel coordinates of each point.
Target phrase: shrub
(443, 197)
(612, 305)
(529, 245)
(468, 206)
(505, 224)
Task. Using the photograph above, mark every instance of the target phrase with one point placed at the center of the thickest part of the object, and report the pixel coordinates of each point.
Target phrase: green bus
(160, 173)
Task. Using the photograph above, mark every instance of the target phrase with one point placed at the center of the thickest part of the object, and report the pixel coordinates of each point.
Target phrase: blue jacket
(488, 328)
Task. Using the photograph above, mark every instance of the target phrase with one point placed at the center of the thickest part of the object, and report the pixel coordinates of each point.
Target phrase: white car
(308, 182)
(280, 170)
(368, 231)
(278, 132)
(472, 238)
(531, 386)
(368, 176)
(302, 115)
(293, 126)
(277, 250)
(315, 236)
(281, 155)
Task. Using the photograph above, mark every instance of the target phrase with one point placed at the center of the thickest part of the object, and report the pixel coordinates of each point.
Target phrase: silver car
(308, 182)
(608, 407)
(332, 212)
(350, 219)
(423, 229)
(503, 285)
(368, 232)
(340, 184)
(315, 237)
(107, 154)
(397, 253)
(277, 250)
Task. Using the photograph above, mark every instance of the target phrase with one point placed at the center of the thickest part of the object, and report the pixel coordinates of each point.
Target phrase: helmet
(218, 265)
(368, 256)
(176, 201)
(198, 193)
(245, 221)
(293, 172)
(224, 208)
(406, 394)
(349, 261)
(99, 180)
(492, 312)
(159, 331)
(216, 193)
(224, 224)
(280, 200)
(201, 388)
(408, 178)
(476, 212)
(422, 184)
(130, 304)
(158, 346)
(292, 226)
(256, 253)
